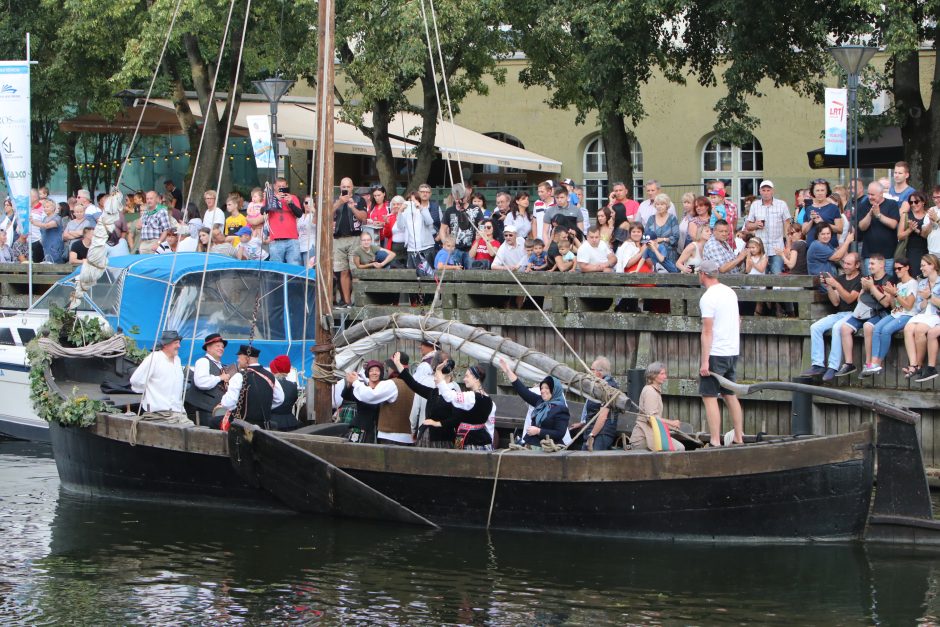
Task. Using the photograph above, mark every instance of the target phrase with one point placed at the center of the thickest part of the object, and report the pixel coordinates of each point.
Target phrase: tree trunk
(71, 177)
(425, 153)
(617, 146)
(384, 159)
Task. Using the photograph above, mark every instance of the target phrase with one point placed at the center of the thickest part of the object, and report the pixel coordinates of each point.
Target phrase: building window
(740, 167)
(596, 183)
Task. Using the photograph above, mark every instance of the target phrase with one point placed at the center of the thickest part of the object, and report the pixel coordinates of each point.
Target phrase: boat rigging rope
(113, 347)
(222, 165)
(153, 80)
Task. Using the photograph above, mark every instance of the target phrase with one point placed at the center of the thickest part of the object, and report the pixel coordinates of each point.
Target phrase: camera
(282, 190)
(645, 240)
(343, 193)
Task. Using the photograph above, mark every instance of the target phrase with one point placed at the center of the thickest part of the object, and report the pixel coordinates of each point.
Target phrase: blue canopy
(144, 294)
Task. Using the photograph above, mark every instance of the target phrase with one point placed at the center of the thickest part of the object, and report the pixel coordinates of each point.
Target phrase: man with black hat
(207, 381)
(159, 377)
(253, 391)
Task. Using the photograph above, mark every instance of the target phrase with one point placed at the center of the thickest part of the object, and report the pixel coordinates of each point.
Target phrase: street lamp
(274, 89)
(852, 60)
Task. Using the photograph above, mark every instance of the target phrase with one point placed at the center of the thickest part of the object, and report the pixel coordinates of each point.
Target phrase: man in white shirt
(511, 254)
(647, 209)
(768, 219)
(594, 255)
(539, 207)
(721, 325)
(214, 217)
(263, 391)
(159, 377)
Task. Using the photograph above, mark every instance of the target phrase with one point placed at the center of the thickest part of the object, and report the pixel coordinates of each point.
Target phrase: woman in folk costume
(550, 415)
(474, 414)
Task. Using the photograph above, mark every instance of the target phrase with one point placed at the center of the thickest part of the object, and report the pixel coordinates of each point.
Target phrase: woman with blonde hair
(925, 318)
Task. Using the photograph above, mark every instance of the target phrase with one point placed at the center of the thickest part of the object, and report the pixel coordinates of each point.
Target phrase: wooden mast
(323, 351)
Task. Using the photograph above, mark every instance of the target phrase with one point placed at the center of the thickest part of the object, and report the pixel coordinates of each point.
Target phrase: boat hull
(800, 490)
(18, 420)
(93, 465)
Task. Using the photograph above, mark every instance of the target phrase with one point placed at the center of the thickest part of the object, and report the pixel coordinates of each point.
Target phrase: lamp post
(852, 60)
(274, 89)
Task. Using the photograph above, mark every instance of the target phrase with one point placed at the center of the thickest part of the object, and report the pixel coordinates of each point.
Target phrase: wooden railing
(582, 306)
(14, 282)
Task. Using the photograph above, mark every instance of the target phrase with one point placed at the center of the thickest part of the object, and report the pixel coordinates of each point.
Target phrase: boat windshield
(295, 308)
(105, 294)
(228, 301)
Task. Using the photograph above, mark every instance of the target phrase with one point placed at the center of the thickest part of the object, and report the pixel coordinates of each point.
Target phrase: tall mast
(323, 351)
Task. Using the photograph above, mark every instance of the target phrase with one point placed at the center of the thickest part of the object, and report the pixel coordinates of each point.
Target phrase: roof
(296, 123)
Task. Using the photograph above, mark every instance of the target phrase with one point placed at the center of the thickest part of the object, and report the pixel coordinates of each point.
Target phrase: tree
(596, 56)
(384, 54)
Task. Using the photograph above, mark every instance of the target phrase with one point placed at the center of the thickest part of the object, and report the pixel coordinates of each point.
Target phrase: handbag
(420, 263)
(862, 311)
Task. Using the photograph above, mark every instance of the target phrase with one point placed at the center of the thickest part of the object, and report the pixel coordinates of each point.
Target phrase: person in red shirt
(282, 224)
(484, 248)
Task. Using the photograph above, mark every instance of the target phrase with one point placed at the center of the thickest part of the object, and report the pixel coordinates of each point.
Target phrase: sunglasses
(916, 202)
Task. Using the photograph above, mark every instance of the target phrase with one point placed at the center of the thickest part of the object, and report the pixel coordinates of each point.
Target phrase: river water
(70, 560)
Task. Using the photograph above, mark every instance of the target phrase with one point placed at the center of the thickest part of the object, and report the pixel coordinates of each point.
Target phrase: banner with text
(260, 130)
(14, 134)
(835, 123)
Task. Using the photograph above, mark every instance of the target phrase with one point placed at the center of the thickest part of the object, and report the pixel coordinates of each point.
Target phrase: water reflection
(155, 565)
(106, 562)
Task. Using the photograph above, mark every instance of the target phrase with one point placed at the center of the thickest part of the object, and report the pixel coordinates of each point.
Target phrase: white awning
(296, 123)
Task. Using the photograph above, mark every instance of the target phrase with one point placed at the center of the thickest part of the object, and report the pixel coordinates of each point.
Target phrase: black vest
(290, 398)
(256, 396)
(206, 400)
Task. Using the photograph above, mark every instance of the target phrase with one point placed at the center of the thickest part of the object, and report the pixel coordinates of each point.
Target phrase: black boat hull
(803, 490)
(93, 465)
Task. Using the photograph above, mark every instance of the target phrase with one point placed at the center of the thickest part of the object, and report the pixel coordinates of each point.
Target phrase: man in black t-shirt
(461, 222)
(349, 214)
(79, 249)
(873, 305)
(878, 219)
(843, 293)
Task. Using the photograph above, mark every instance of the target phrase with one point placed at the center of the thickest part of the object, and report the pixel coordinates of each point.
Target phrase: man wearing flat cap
(207, 382)
(159, 377)
(253, 391)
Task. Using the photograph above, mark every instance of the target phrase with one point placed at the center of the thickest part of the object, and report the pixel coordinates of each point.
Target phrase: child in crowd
(477, 200)
(568, 257)
(756, 262)
(449, 258)
(538, 259)
(253, 210)
(249, 247)
(235, 220)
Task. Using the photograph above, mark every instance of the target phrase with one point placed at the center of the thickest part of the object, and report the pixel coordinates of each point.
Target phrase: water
(96, 562)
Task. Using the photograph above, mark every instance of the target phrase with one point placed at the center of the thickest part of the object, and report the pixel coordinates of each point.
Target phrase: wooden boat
(804, 488)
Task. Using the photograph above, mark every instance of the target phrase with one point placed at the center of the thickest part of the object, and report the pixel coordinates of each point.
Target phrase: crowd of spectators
(892, 231)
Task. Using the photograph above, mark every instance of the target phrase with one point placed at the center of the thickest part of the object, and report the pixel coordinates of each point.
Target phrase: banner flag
(260, 130)
(835, 122)
(15, 147)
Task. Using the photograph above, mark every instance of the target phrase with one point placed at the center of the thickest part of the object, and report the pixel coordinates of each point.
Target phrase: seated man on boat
(434, 429)
(282, 415)
(550, 415)
(159, 377)
(603, 431)
(474, 413)
(252, 392)
(644, 436)
(369, 395)
(207, 382)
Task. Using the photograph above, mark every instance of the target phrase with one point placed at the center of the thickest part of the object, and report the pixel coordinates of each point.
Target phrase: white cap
(769, 184)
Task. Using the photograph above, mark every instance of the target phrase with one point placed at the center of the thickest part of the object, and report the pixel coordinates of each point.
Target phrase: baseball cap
(509, 228)
(769, 184)
(709, 267)
(716, 192)
(569, 182)
(245, 230)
